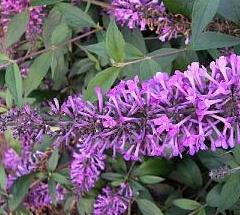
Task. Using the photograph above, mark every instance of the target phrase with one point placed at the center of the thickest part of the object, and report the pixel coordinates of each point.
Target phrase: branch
(51, 48)
(120, 65)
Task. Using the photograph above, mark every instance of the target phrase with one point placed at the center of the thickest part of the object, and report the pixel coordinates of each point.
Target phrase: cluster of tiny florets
(112, 202)
(39, 196)
(152, 15)
(28, 126)
(166, 115)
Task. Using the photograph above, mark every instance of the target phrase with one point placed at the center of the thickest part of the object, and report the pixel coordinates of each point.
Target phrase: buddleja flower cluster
(28, 128)
(165, 116)
(9, 8)
(150, 14)
(154, 16)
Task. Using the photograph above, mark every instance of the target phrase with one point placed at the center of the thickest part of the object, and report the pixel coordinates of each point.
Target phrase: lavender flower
(11, 159)
(24, 71)
(22, 165)
(80, 121)
(39, 196)
(34, 28)
(26, 124)
(150, 14)
(164, 116)
(113, 202)
(85, 170)
(133, 13)
(128, 122)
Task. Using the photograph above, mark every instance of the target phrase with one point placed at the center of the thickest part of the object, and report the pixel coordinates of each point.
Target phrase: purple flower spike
(85, 170)
(113, 202)
(152, 15)
(11, 159)
(39, 196)
(26, 124)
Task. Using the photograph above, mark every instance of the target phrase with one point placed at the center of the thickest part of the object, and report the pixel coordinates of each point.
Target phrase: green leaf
(3, 177)
(100, 50)
(115, 43)
(212, 40)
(52, 189)
(60, 33)
(154, 166)
(17, 27)
(185, 59)
(13, 142)
(213, 196)
(151, 179)
(236, 153)
(180, 6)
(111, 176)
(203, 13)
(187, 204)
(142, 191)
(211, 160)
(19, 190)
(230, 193)
(22, 211)
(118, 165)
(9, 99)
(14, 83)
(148, 207)
(61, 179)
(68, 204)
(189, 173)
(201, 212)
(37, 72)
(230, 10)
(215, 53)
(43, 2)
(97, 48)
(81, 66)
(91, 57)
(132, 53)
(3, 57)
(53, 160)
(131, 70)
(104, 79)
(149, 68)
(58, 68)
(85, 206)
(117, 183)
(165, 56)
(45, 144)
(74, 16)
(54, 19)
(135, 38)
(3, 110)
